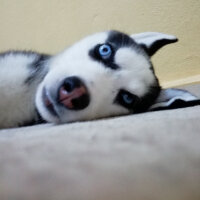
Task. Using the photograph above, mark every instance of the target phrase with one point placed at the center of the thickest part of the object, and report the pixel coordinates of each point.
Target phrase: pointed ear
(152, 41)
(174, 98)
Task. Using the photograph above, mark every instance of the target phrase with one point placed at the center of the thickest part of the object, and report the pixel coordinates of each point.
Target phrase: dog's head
(105, 74)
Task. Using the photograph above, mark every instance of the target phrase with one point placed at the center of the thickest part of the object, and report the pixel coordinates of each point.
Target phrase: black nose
(73, 94)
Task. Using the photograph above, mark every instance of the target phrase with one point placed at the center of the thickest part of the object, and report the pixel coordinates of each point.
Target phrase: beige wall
(51, 25)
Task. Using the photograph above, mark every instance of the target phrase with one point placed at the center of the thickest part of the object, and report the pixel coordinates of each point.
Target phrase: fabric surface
(149, 156)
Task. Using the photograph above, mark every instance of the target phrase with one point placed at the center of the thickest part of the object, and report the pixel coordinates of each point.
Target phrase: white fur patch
(136, 70)
(17, 100)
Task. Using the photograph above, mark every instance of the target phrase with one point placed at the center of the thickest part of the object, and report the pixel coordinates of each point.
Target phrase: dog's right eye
(104, 53)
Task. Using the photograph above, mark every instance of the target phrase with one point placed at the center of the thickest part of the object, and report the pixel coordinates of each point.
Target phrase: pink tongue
(66, 98)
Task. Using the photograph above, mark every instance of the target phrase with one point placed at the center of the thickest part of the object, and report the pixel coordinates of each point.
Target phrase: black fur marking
(115, 40)
(119, 39)
(120, 99)
(140, 104)
(37, 68)
(157, 45)
(148, 99)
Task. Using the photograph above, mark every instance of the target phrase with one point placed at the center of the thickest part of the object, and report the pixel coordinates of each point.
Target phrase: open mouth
(48, 103)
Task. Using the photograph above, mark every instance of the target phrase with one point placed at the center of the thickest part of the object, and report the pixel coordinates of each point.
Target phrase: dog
(105, 74)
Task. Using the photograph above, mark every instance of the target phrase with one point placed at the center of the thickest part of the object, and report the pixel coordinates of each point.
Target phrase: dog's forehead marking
(80, 50)
(120, 39)
(116, 38)
(90, 41)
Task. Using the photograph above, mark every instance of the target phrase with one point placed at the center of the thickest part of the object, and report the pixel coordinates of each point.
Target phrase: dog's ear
(174, 98)
(152, 41)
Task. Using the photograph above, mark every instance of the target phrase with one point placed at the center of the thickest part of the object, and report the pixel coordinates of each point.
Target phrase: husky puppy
(105, 74)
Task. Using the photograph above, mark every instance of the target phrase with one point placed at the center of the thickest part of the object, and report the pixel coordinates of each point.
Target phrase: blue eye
(105, 51)
(128, 99)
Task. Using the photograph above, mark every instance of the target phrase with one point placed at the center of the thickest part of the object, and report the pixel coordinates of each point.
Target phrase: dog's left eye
(105, 51)
(126, 99)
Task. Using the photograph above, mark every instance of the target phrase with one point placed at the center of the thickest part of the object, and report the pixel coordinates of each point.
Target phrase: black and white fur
(123, 82)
